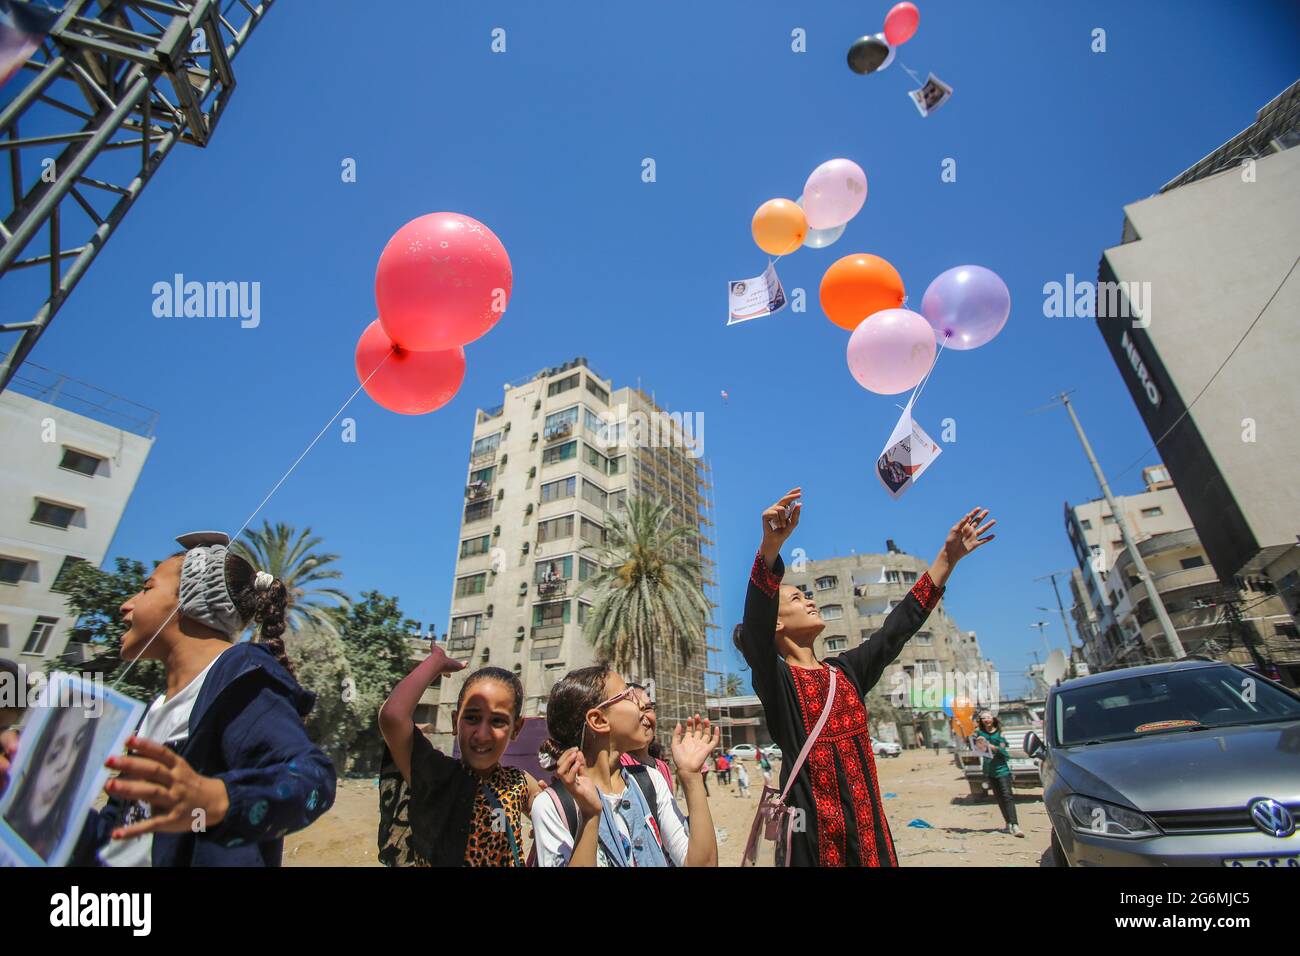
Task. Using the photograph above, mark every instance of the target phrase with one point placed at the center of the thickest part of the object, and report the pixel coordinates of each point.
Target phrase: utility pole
(1042, 632)
(1166, 625)
(1069, 643)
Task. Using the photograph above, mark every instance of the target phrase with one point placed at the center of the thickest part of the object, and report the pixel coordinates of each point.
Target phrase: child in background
(742, 778)
(438, 811)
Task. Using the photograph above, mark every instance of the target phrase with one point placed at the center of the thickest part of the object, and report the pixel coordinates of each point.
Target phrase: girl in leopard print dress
(435, 810)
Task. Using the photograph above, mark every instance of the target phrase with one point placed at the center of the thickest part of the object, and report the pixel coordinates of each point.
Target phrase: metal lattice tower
(116, 85)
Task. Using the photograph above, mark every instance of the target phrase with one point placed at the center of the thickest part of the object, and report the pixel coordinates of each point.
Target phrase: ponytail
(261, 599)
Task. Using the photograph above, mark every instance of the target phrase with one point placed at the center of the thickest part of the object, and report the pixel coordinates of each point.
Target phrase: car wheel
(1057, 857)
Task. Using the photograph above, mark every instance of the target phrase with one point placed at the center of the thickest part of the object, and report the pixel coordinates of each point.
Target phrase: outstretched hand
(439, 658)
(692, 745)
(779, 522)
(968, 534)
(177, 794)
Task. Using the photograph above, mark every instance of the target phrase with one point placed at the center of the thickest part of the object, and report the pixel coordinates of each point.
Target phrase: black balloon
(867, 53)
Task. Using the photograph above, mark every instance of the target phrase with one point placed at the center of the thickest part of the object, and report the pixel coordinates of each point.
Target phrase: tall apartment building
(855, 594)
(1211, 360)
(1112, 611)
(72, 454)
(561, 452)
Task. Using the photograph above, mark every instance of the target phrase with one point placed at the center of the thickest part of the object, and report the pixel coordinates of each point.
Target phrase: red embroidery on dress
(926, 592)
(840, 753)
(763, 577)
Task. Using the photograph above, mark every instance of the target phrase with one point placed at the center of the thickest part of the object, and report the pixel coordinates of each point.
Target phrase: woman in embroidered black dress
(836, 789)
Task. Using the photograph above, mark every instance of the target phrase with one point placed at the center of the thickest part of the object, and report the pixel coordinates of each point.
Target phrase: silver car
(1195, 763)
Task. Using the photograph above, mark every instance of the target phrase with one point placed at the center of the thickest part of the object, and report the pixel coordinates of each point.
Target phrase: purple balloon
(966, 306)
(890, 351)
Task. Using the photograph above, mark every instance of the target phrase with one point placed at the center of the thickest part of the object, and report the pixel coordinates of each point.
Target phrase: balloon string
(910, 72)
(916, 392)
(387, 356)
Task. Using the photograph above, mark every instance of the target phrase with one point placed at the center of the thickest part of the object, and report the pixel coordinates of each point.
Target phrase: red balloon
(443, 280)
(901, 22)
(412, 383)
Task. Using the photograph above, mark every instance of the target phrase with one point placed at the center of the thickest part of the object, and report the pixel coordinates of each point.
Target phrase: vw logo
(1271, 817)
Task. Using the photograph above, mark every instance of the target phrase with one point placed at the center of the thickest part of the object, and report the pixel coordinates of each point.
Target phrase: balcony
(477, 489)
(556, 432)
(552, 588)
(547, 640)
(461, 648)
(483, 458)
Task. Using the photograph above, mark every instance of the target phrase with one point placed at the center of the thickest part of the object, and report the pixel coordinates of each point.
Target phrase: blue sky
(544, 144)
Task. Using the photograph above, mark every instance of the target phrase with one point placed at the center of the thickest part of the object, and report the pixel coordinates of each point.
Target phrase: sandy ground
(963, 831)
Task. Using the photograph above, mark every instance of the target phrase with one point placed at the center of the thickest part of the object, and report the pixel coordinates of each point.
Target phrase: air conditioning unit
(529, 509)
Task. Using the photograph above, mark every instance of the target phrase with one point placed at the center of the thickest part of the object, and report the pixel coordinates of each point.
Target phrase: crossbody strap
(495, 801)
(812, 737)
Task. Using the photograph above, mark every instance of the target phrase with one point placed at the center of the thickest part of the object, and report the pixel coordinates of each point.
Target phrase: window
(61, 579)
(563, 385)
(560, 453)
(57, 516)
(895, 577)
(618, 466)
(79, 461)
(1193, 562)
(827, 582)
(486, 444)
(923, 638)
(909, 577)
(556, 420)
(484, 475)
(1152, 512)
(12, 570)
(1286, 630)
(597, 390)
(554, 612)
(593, 457)
(473, 584)
(555, 529)
(593, 422)
(591, 532)
(832, 612)
(617, 499)
(1107, 519)
(1085, 524)
(586, 569)
(594, 493)
(472, 546)
(476, 510)
(837, 643)
(555, 490)
(40, 636)
(466, 626)
(583, 610)
(554, 567)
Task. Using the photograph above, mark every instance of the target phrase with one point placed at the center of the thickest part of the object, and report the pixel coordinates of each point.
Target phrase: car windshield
(1169, 702)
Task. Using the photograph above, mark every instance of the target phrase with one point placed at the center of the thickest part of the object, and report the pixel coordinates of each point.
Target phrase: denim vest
(644, 849)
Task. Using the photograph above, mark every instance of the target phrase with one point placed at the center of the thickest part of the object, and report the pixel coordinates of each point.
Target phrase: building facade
(855, 594)
(73, 454)
(546, 468)
(1197, 306)
(1241, 621)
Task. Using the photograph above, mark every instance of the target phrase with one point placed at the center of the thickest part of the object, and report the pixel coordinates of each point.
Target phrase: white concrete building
(71, 456)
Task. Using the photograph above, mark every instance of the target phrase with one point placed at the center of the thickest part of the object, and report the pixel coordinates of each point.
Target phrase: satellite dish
(1054, 669)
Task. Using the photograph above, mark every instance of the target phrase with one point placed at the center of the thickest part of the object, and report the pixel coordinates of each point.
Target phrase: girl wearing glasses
(609, 816)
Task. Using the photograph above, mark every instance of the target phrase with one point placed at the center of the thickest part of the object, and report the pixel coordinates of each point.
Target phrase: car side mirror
(1034, 746)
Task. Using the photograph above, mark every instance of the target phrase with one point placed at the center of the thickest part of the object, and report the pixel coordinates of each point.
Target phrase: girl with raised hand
(599, 812)
(439, 811)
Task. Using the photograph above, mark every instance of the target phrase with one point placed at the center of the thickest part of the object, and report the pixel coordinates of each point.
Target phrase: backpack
(568, 807)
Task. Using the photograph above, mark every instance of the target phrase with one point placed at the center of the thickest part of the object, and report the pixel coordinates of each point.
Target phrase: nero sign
(1140, 368)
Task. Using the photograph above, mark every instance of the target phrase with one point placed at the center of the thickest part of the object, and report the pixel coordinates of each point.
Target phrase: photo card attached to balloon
(73, 727)
(907, 454)
(932, 94)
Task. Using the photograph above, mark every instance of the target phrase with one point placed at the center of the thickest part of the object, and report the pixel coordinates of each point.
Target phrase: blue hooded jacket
(246, 729)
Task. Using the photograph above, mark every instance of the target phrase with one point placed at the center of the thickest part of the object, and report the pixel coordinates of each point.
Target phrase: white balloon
(821, 238)
(889, 59)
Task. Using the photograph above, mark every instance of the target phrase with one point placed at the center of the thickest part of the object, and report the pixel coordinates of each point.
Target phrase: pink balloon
(443, 280)
(901, 22)
(834, 193)
(411, 383)
(891, 350)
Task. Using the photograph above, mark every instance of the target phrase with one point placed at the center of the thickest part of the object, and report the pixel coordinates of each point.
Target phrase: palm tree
(648, 588)
(288, 554)
(730, 686)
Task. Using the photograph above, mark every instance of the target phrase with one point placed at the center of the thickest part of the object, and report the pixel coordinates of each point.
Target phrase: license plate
(1292, 862)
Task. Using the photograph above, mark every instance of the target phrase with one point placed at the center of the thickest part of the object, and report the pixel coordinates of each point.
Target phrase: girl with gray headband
(221, 768)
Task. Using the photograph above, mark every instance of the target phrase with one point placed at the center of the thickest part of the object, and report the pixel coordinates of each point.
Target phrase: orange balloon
(858, 286)
(779, 227)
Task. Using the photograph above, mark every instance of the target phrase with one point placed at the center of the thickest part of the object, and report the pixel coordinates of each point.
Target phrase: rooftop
(36, 381)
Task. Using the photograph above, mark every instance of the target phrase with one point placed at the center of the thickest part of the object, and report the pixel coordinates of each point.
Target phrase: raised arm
(762, 595)
(397, 715)
(869, 659)
(691, 747)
